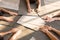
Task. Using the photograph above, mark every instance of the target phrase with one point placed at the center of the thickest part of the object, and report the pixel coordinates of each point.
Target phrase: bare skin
(7, 18)
(53, 18)
(11, 13)
(15, 31)
(39, 6)
(46, 29)
(14, 37)
(10, 31)
(29, 6)
(55, 30)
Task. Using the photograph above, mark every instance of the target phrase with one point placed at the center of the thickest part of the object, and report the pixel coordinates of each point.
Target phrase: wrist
(46, 31)
(53, 29)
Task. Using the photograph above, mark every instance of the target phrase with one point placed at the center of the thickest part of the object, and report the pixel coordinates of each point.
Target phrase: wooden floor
(27, 34)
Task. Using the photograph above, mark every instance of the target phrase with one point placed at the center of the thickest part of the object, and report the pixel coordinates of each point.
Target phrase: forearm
(57, 18)
(39, 3)
(15, 36)
(53, 14)
(52, 37)
(1, 17)
(57, 31)
(28, 4)
(7, 11)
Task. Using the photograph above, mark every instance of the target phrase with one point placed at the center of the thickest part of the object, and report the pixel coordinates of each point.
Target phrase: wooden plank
(52, 14)
(50, 8)
(25, 32)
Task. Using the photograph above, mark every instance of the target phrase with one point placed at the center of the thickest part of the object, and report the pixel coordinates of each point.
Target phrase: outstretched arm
(48, 19)
(38, 6)
(10, 31)
(12, 13)
(14, 37)
(51, 28)
(51, 17)
(57, 18)
(52, 37)
(28, 5)
(57, 31)
(39, 3)
(46, 29)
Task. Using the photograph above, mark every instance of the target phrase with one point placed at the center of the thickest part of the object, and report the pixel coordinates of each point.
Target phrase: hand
(32, 12)
(45, 28)
(38, 10)
(48, 19)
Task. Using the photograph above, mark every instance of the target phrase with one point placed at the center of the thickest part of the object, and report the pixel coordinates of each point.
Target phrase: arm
(49, 34)
(15, 36)
(53, 14)
(50, 16)
(12, 13)
(53, 19)
(39, 4)
(48, 19)
(52, 37)
(57, 31)
(28, 5)
(57, 18)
